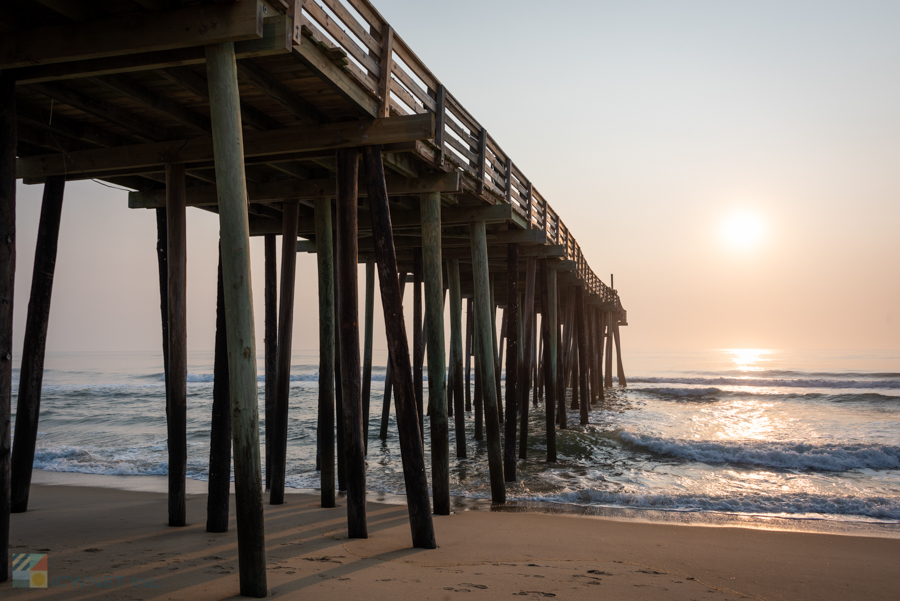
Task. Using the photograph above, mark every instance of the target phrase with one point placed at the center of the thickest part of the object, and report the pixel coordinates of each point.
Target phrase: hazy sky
(647, 125)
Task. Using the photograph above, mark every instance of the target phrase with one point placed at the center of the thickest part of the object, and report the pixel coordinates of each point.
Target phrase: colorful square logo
(30, 570)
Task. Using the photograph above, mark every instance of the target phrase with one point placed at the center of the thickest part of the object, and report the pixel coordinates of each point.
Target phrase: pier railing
(390, 71)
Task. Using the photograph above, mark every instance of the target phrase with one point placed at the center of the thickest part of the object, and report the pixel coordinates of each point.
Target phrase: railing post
(482, 157)
(386, 63)
(439, 124)
(508, 181)
(530, 205)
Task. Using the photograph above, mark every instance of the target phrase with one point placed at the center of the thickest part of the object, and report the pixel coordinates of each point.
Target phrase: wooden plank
(280, 93)
(133, 33)
(359, 30)
(201, 196)
(160, 104)
(414, 88)
(346, 42)
(276, 40)
(290, 139)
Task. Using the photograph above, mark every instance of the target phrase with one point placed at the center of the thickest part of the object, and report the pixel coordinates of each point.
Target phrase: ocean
(805, 436)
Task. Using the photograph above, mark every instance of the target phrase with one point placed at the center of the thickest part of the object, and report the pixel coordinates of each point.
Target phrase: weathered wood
(279, 427)
(512, 360)
(494, 347)
(434, 319)
(478, 398)
(411, 448)
(367, 350)
(525, 377)
(219, 486)
(346, 271)
(620, 371)
(133, 33)
(8, 137)
(162, 260)
(418, 340)
(325, 429)
(610, 318)
(562, 355)
(176, 405)
(549, 328)
(234, 237)
(31, 374)
(470, 324)
(388, 379)
(299, 138)
(387, 64)
(585, 401)
(456, 348)
(271, 346)
(601, 328)
(486, 363)
(338, 381)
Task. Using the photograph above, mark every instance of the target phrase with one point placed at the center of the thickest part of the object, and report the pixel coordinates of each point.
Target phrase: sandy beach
(115, 544)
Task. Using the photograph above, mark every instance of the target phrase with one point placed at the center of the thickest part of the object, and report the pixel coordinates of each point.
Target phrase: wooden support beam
(176, 405)
(219, 487)
(8, 139)
(388, 378)
(367, 350)
(470, 324)
(456, 354)
(411, 448)
(200, 196)
(271, 345)
(233, 234)
(550, 331)
(512, 360)
(158, 103)
(299, 138)
(486, 363)
(346, 208)
(133, 33)
(434, 318)
(31, 374)
(525, 373)
(610, 318)
(325, 263)
(279, 426)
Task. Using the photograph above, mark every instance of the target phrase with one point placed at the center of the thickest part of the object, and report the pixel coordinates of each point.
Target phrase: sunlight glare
(748, 359)
(743, 230)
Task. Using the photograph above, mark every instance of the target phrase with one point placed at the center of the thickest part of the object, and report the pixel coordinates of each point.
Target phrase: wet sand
(116, 544)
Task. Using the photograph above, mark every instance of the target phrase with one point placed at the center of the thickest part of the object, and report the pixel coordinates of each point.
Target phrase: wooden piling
(31, 373)
(478, 400)
(620, 371)
(279, 427)
(585, 403)
(411, 448)
(325, 264)
(549, 328)
(562, 359)
(434, 318)
(512, 359)
(8, 145)
(219, 486)
(495, 347)
(418, 340)
(367, 350)
(347, 274)
(162, 263)
(525, 378)
(469, 334)
(610, 319)
(271, 344)
(338, 386)
(598, 357)
(483, 342)
(225, 114)
(389, 376)
(456, 349)
(176, 406)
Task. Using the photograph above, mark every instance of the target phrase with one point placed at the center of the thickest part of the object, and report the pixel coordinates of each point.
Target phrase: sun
(743, 230)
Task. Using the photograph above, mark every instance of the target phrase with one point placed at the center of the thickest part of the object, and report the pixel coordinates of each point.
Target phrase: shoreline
(115, 543)
(703, 519)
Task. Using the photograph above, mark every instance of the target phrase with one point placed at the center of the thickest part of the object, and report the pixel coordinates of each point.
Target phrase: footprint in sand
(535, 593)
(479, 586)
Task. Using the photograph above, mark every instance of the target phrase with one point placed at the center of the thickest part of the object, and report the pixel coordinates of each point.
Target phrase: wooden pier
(314, 120)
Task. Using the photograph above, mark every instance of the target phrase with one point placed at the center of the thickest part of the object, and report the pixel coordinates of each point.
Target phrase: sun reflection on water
(748, 359)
